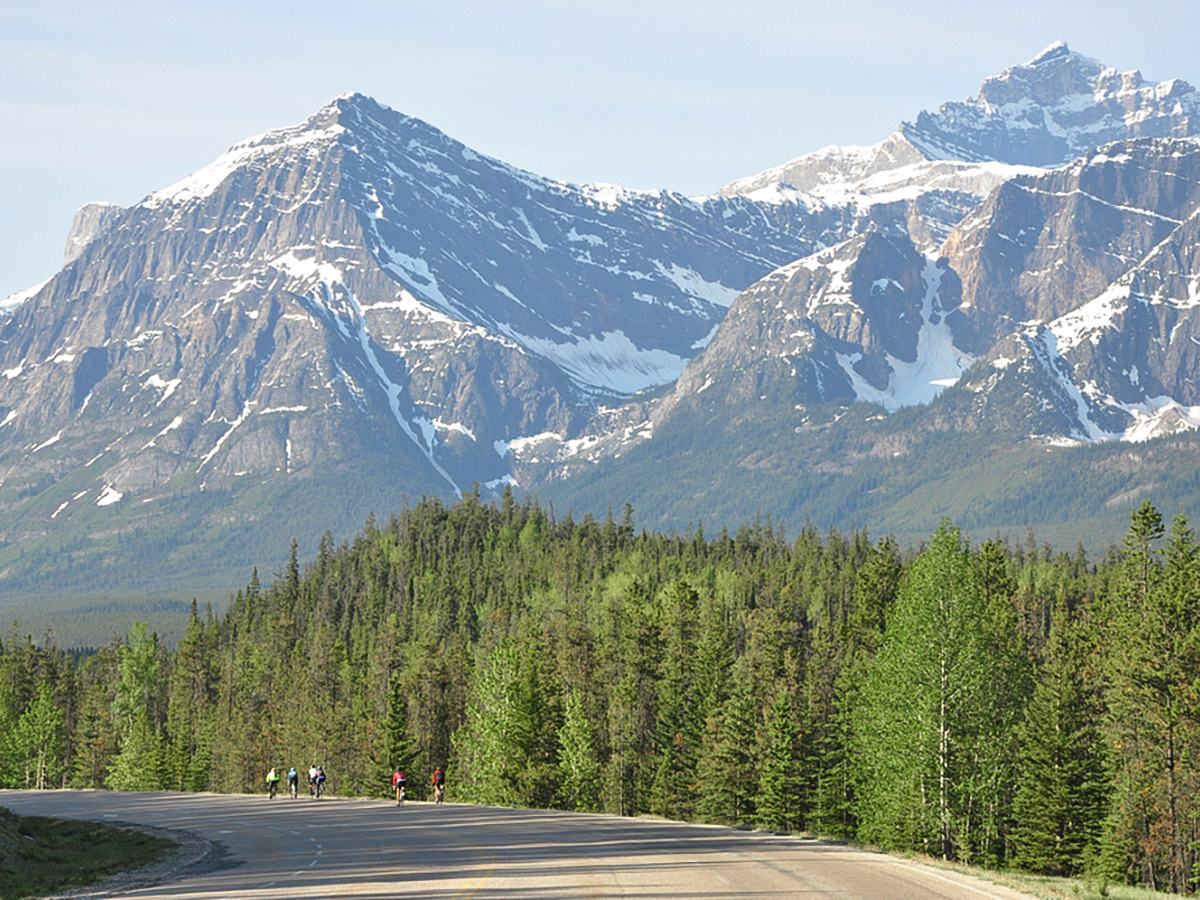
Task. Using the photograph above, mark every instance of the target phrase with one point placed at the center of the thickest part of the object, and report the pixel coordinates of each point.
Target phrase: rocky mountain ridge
(358, 307)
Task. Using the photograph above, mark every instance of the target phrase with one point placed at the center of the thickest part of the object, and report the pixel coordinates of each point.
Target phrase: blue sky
(112, 100)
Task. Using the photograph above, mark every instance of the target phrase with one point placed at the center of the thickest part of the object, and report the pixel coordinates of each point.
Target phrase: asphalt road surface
(331, 847)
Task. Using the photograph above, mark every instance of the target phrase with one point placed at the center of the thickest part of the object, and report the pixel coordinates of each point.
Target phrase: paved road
(332, 848)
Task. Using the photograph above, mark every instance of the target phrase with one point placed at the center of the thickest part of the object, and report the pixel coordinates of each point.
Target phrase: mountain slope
(339, 314)
(853, 385)
(361, 298)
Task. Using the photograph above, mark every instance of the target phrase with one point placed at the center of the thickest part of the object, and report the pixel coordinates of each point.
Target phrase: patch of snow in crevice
(143, 338)
(593, 239)
(220, 441)
(307, 270)
(456, 427)
(938, 364)
(109, 496)
(610, 362)
(531, 234)
(167, 387)
(427, 440)
(175, 423)
(696, 285)
(53, 440)
(12, 415)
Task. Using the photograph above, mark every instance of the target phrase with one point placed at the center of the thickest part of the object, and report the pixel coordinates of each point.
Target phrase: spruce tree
(1062, 797)
(1152, 654)
(778, 801)
(578, 762)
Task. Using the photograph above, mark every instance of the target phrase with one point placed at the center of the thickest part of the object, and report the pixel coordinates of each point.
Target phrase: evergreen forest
(996, 704)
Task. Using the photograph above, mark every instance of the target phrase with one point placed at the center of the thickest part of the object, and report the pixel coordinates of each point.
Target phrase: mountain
(853, 384)
(337, 315)
(343, 312)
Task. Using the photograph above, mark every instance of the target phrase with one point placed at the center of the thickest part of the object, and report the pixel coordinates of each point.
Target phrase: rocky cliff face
(1063, 311)
(361, 302)
(88, 222)
(1054, 108)
(360, 290)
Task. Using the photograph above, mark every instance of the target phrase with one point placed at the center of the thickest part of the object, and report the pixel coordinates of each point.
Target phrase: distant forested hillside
(999, 704)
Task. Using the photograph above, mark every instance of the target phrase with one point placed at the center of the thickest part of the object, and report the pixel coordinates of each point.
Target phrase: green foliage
(1060, 804)
(937, 712)
(578, 762)
(36, 746)
(779, 787)
(1150, 647)
(1001, 704)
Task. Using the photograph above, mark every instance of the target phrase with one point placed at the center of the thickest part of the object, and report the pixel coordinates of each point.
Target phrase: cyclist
(439, 785)
(293, 782)
(272, 782)
(400, 783)
(320, 781)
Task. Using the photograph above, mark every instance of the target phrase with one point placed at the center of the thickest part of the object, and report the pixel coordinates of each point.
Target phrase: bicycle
(320, 788)
(439, 793)
(400, 794)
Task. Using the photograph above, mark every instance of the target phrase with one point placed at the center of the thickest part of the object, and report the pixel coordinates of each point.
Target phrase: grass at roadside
(40, 856)
(1047, 887)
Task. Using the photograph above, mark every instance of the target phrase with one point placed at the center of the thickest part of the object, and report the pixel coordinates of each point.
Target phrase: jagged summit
(1042, 113)
(1051, 110)
(1056, 50)
(359, 306)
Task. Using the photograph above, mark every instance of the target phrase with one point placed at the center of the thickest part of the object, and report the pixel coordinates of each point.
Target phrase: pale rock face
(89, 221)
(360, 299)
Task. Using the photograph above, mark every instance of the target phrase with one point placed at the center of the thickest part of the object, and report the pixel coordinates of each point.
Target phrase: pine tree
(728, 770)
(1061, 801)
(36, 747)
(778, 802)
(578, 763)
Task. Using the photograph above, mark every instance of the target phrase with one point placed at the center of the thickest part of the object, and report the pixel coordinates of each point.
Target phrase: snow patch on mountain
(204, 183)
(939, 364)
(428, 433)
(12, 301)
(609, 361)
(109, 496)
(694, 284)
(307, 270)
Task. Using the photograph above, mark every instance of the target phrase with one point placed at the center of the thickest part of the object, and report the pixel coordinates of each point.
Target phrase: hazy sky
(112, 100)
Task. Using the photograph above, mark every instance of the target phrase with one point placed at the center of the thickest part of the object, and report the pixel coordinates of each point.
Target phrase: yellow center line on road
(491, 868)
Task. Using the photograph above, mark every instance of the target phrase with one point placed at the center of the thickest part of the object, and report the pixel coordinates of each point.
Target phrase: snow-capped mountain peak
(1052, 109)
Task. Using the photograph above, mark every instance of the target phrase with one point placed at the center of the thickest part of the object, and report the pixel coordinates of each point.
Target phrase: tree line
(997, 704)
